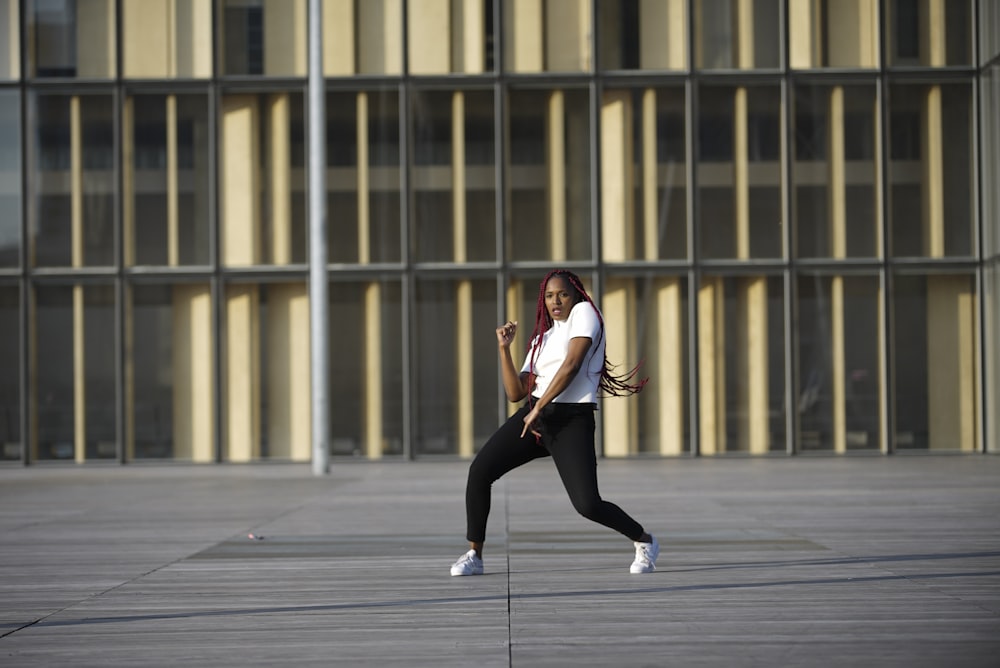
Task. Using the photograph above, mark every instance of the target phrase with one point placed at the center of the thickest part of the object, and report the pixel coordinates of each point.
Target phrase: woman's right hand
(506, 332)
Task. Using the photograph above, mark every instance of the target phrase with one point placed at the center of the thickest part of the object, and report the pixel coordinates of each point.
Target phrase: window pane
(643, 35)
(643, 174)
(549, 175)
(646, 321)
(552, 35)
(10, 179)
(935, 369)
(72, 38)
(447, 36)
(363, 177)
(74, 180)
(366, 368)
(991, 298)
(930, 170)
(167, 38)
(741, 364)
(10, 37)
(263, 37)
(11, 444)
(453, 176)
(929, 33)
(262, 187)
(990, 159)
(74, 373)
(166, 180)
(834, 174)
(172, 393)
(737, 34)
(838, 353)
(456, 381)
(833, 34)
(739, 172)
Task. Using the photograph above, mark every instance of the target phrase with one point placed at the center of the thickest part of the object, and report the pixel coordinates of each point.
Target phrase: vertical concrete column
(128, 181)
(567, 36)
(288, 374)
(10, 52)
(666, 364)
(650, 177)
(951, 404)
(240, 167)
(380, 44)
(712, 365)
(744, 34)
(285, 37)
(516, 297)
(837, 202)
(853, 37)
(621, 425)
(468, 46)
(338, 37)
(77, 260)
(617, 177)
(173, 191)
(95, 39)
(805, 47)
(555, 158)
(430, 36)
(741, 173)
(147, 38)
(279, 178)
(193, 38)
(523, 24)
(242, 372)
(754, 390)
(464, 360)
(372, 297)
(192, 364)
(657, 17)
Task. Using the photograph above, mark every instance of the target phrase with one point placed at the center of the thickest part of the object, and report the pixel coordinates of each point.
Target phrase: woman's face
(560, 297)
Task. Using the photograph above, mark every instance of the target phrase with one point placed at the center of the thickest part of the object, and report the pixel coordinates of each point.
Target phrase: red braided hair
(611, 384)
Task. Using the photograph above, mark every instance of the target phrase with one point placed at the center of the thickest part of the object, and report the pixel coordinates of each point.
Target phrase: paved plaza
(861, 561)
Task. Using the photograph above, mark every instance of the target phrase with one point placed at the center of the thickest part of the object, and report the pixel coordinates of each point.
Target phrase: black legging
(568, 436)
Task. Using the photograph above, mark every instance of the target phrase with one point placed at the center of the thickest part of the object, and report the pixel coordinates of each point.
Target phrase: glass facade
(787, 210)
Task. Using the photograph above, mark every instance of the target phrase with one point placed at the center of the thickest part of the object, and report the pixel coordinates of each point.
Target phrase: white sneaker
(645, 557)
(469, 564)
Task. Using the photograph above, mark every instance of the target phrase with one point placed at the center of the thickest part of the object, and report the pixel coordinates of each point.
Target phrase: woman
(565, 371)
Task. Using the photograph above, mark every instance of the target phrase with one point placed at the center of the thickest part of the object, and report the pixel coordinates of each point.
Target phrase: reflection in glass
(644, 35)
(643, 175)
(10, 380)
(549, 175)
(73, 184)
(262, 179)
(456, 375)
(167, 38)
(839, 361)
(166, 180)
(72, 38)
(453, 177)
(737, 34)
(935, 370)
(930, 170)
(10, 179)
(739, 172)
(929, 33)
(835, 171)
(363, 177)
(265, 37)
(366, 368)
(741, 364)
(73, 373)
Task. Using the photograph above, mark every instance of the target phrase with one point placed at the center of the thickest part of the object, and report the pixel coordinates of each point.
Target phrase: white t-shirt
(582, 322)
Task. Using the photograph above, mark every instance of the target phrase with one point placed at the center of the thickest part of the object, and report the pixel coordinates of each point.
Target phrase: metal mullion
(407, 278)
(118, 236)
(25, 344)
(500, 185)
(693, 238)
(887, 418)
(790, 274)
(595, 90)
(215, 248)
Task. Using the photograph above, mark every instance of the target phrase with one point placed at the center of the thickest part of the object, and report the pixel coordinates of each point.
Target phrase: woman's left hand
(529, 421)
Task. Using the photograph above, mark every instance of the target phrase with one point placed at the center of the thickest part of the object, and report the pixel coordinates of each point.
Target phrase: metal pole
(318, 302)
